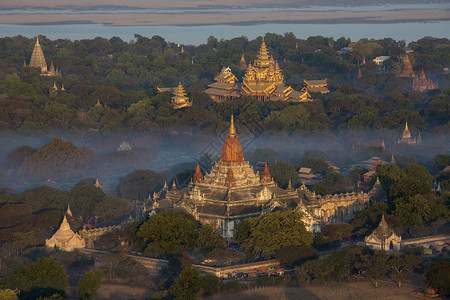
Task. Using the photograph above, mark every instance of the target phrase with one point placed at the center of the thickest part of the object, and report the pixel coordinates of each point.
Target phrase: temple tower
(180, 99)
(37, 57)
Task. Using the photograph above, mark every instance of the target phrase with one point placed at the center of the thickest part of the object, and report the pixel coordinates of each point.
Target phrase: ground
(353, 290)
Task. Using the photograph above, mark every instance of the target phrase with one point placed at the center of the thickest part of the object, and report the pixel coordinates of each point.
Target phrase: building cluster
(419, 83)
(263, 80)
(232, 191)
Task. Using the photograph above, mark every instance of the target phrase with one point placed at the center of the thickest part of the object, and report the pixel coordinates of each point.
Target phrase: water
(196, 35)
(119, 9)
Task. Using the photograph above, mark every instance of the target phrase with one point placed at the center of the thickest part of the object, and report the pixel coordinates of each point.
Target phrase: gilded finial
(232, 130)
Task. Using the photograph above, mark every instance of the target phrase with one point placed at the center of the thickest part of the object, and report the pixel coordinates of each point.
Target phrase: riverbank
(231, 18)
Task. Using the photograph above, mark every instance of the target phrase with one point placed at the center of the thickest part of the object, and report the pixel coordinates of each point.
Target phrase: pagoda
(38, 61)
(407, 70)
(65, 239)
(383, 237)
(180, 99)
(422, 83)
(231, 192)
(264, 80)
(242, 63)
(406, 137)
(225, 88)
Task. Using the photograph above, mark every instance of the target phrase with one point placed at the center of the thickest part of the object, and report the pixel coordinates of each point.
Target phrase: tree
(265, 234)
(43, 277)
(401, 265)
(8, 294)
(188, 284)
(335, 232)
(282, 173)
(168, 233)
(292, 256)
(89, 284)
(209, 239)
(377, 266)
(438, 277)
(140, 184)
(210, 284)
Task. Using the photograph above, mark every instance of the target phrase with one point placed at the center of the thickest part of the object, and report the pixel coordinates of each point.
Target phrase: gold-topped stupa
(38, 61)
(264, 80)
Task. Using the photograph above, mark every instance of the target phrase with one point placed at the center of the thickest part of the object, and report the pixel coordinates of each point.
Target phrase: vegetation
(264, 235)
(89, 284)
(123, 77)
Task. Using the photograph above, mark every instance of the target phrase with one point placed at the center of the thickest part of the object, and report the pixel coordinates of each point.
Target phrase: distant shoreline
(232, 18)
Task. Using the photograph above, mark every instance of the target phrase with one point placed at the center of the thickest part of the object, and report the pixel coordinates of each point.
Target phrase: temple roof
(383, 231)
(37, 57)
(232, 149)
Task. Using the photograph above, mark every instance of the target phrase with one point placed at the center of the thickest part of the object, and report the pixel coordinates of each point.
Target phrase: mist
(171, 152)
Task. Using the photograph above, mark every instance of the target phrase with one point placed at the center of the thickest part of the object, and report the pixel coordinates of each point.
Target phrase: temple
(180, 99)
(422, 83)
(38, 61)
(407, 70)
(406, 137)
(232, 191)
(264, 80)
(316, 86)
(225, 88)
(65, 239)
(242, 63)
(383, 238)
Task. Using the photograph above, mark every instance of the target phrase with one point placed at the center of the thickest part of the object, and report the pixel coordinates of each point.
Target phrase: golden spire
(406, 132)
(232, 149)
(232, 130)
(198, 177)
(263, 58)
(37, 57)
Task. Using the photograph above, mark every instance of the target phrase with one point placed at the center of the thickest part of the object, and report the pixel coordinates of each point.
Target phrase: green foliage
(338, 266)
(438, 277)
(401, 265)
(168, 233)
(318, 166)
(377, 266)
(209, 239)
(89, 284)
(266, 234)
(283, 172)
(336, 232)
(292, 256)
(210, 284)
(140, 184)
(8, 294)
(43, 277)
(188, 284)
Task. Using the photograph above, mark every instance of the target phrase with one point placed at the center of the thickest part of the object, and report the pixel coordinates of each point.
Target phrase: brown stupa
(359, 74)
(232, 149)
(230, 179)
(265, 176)
(422, 83)
(242, 63)
(198, 177)
(407, 70)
